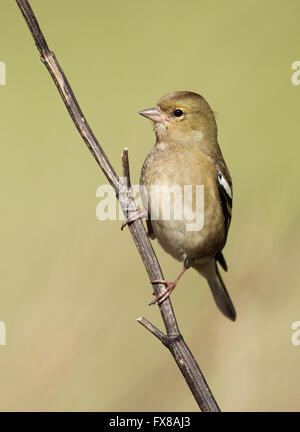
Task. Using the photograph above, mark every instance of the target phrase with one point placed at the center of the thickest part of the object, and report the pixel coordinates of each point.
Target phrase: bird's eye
(178, 113)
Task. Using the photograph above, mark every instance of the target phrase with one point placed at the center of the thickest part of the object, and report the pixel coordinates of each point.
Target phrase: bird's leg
(138, 214)
(169, 288)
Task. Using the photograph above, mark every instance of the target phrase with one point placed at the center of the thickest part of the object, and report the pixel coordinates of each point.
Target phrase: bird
(187, 153)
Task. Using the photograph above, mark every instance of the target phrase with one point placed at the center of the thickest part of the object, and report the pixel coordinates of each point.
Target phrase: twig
(126, 170)
(152, 329)
(173, 339)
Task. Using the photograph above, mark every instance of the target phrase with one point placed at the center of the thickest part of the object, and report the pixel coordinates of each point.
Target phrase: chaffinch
(187, 153)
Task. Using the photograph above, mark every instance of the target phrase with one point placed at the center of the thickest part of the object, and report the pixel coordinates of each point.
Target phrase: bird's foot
(138, 214)
(164, 295)
(169, 288)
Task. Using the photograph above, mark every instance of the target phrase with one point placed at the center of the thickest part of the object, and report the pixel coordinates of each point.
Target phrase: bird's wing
(225, 192)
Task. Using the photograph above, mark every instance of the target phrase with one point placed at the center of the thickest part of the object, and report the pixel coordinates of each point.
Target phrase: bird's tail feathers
(221, 297)
(218, 289)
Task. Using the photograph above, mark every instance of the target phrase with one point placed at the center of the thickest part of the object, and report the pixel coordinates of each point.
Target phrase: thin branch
(173, 339)
(126, 170)
(126, 190)
(152, 329)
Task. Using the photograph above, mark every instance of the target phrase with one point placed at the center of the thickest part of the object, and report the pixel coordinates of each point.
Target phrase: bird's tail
(221, 297)
(218, 289)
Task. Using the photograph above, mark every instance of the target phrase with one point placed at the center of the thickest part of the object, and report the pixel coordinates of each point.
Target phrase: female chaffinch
(187, 153)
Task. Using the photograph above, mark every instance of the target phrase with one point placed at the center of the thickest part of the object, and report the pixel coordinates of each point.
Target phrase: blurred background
(72, 286)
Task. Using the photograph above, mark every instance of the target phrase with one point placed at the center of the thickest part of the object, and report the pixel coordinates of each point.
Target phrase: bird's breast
(179, 190)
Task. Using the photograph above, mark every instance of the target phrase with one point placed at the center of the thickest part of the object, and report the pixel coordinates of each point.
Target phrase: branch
(126, 170)
(152, 329)
(173, 339)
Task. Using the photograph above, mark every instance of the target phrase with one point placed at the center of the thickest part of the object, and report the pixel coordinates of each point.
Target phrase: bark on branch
(173, 339)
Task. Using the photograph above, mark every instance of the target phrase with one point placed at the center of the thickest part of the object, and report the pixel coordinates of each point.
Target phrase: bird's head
(182, 117)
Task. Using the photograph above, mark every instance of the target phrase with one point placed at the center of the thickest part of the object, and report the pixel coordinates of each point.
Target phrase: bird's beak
(155, 114)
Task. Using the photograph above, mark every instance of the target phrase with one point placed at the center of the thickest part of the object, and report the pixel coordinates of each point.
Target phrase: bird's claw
(164, 295)
(138, 214)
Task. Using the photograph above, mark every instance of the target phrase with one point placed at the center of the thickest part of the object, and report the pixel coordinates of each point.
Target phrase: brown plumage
(187, 153)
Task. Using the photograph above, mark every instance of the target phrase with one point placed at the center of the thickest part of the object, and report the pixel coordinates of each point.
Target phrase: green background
(71, 286)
